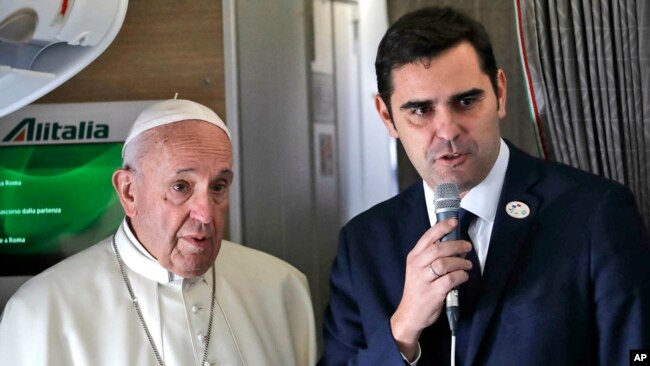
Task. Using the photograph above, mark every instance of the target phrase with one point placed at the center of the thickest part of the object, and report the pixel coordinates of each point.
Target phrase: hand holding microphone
(424, 294)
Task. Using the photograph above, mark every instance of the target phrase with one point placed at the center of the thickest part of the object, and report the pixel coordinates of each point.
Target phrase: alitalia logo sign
(70, 123)
(30, 130)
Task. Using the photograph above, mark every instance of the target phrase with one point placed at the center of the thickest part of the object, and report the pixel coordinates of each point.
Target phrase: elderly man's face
(178, 195)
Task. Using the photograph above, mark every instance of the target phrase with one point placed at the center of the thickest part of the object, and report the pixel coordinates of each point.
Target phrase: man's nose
(201, 208)
(446, 125)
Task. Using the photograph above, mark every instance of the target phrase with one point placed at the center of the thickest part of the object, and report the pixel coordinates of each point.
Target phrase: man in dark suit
(556, 270)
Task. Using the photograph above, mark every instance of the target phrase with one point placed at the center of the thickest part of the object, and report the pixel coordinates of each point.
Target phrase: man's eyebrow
(189, 170)
(227, 172)
(184, 170)
(413, 104)
(475, 92)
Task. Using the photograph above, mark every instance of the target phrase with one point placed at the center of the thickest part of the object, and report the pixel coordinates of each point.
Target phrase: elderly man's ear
(123, 183)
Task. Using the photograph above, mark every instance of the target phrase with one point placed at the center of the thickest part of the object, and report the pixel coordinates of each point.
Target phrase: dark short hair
(422, 35)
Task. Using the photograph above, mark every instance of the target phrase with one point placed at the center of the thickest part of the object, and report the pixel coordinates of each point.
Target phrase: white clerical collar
(135, 242)
(483, 199)
(138, 259)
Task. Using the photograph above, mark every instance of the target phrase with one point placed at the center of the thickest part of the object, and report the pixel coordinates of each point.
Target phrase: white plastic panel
(89, 21)
(48, 11)
(15, 84)
(57, 51)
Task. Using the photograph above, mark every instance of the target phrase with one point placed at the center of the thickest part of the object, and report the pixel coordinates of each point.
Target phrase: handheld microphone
(446, 201)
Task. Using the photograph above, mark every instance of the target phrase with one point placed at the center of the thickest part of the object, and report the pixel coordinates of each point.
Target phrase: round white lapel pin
(518, 210)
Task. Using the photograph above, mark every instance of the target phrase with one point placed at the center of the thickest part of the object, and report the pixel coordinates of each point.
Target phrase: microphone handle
(452, 306)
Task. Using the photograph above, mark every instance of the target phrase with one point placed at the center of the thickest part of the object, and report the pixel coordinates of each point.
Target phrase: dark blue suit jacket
(568, 285)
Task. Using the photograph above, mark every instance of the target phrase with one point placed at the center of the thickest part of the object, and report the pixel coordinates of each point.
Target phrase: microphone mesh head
(446, 196)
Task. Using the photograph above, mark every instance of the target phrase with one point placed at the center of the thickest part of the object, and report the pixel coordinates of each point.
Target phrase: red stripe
(531, 92)
(64, 7)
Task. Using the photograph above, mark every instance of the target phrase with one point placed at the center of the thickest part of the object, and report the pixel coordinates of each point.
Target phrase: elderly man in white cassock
(165, 289)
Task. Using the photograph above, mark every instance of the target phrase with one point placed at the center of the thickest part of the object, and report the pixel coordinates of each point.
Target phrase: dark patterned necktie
(469, 291)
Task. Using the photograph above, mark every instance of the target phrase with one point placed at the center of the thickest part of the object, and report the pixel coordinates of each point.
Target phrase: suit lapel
(404, 221)
(508, 236)
(412, 218)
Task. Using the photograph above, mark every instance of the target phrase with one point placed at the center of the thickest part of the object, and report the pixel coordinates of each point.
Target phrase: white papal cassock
(79, 312)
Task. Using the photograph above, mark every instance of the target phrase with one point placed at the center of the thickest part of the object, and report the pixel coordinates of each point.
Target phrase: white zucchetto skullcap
(170, 111)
